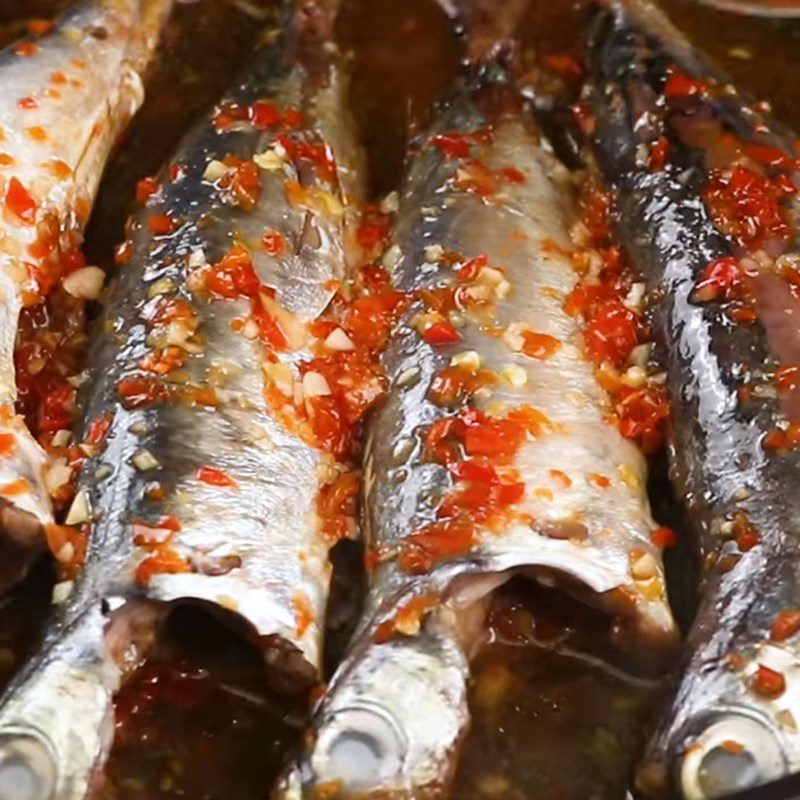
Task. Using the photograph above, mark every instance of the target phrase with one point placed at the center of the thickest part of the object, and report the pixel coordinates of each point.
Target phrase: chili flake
(20, 201)
(161, 225)
(216, 477)
(768, 683)
(785, 625)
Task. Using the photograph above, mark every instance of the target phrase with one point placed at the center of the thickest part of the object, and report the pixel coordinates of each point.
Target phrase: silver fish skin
(252, 552)
(394, 715)
(726, 729)
(66, 98)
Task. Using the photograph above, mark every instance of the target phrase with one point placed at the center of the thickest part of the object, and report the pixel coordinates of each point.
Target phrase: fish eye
(733, 753)
(360, 747)
(27, 770)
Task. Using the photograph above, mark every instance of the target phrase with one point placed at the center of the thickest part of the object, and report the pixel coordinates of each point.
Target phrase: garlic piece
(469, 360)
(86, 283)
(339, 340)
(144, 460)
(78, 511)
(315, 385)
(514, 375)
(215, 170)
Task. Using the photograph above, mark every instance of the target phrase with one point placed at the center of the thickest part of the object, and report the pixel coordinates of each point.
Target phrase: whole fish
(202, 483)
(66, 97)
(705, 187)
(494, 455)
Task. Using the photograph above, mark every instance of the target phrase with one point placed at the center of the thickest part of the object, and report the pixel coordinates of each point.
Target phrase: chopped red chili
(452, 144)
(97, 429)
(659, 154)
(233, 275)
(611, 333)
(336, 506)
(216, 477)
(435, 542)
(720, 280)
(273, 243)
(164, 561)
(663, 537)
(8, 444)
(241, 182)
(539, 345)
(19, 200)
(746, 206)
(161, 224)
(768, 683)
(679, 84)
(146, 188)
(440, 333)
(785, 625)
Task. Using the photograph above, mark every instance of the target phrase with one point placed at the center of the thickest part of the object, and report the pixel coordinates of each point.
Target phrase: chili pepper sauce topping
(472, 175)
(49, 355)
(321, 377)
(157, 540)
(768, 682)
(748, 193)
(785, 625)
(611, 303)
(55, 286)
(477, 451)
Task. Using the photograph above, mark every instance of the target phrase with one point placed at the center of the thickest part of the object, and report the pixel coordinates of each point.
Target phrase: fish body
(711, 225)
(67, 97)
(485, 461)
(197, 488)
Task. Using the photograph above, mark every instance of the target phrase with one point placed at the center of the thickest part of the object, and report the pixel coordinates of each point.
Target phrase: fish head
(385, 729)
(747, 736)
(735, 722)
(735, 749)
(27, 767)
(57, 717)
(59, 763)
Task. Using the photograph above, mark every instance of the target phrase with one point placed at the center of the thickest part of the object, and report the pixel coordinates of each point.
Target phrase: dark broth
(556, 711)
(198, 720)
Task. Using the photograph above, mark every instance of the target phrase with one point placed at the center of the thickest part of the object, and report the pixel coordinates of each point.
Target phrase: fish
(68, 94)
(494, 454)
(704, 184)
(771, 8)
(201, 482)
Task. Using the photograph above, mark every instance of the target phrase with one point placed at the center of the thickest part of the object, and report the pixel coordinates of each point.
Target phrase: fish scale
(245, 542)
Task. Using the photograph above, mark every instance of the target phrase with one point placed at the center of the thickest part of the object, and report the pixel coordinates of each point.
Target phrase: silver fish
(195, 489)
(66, 97)
(723, 303)
(485, 215)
